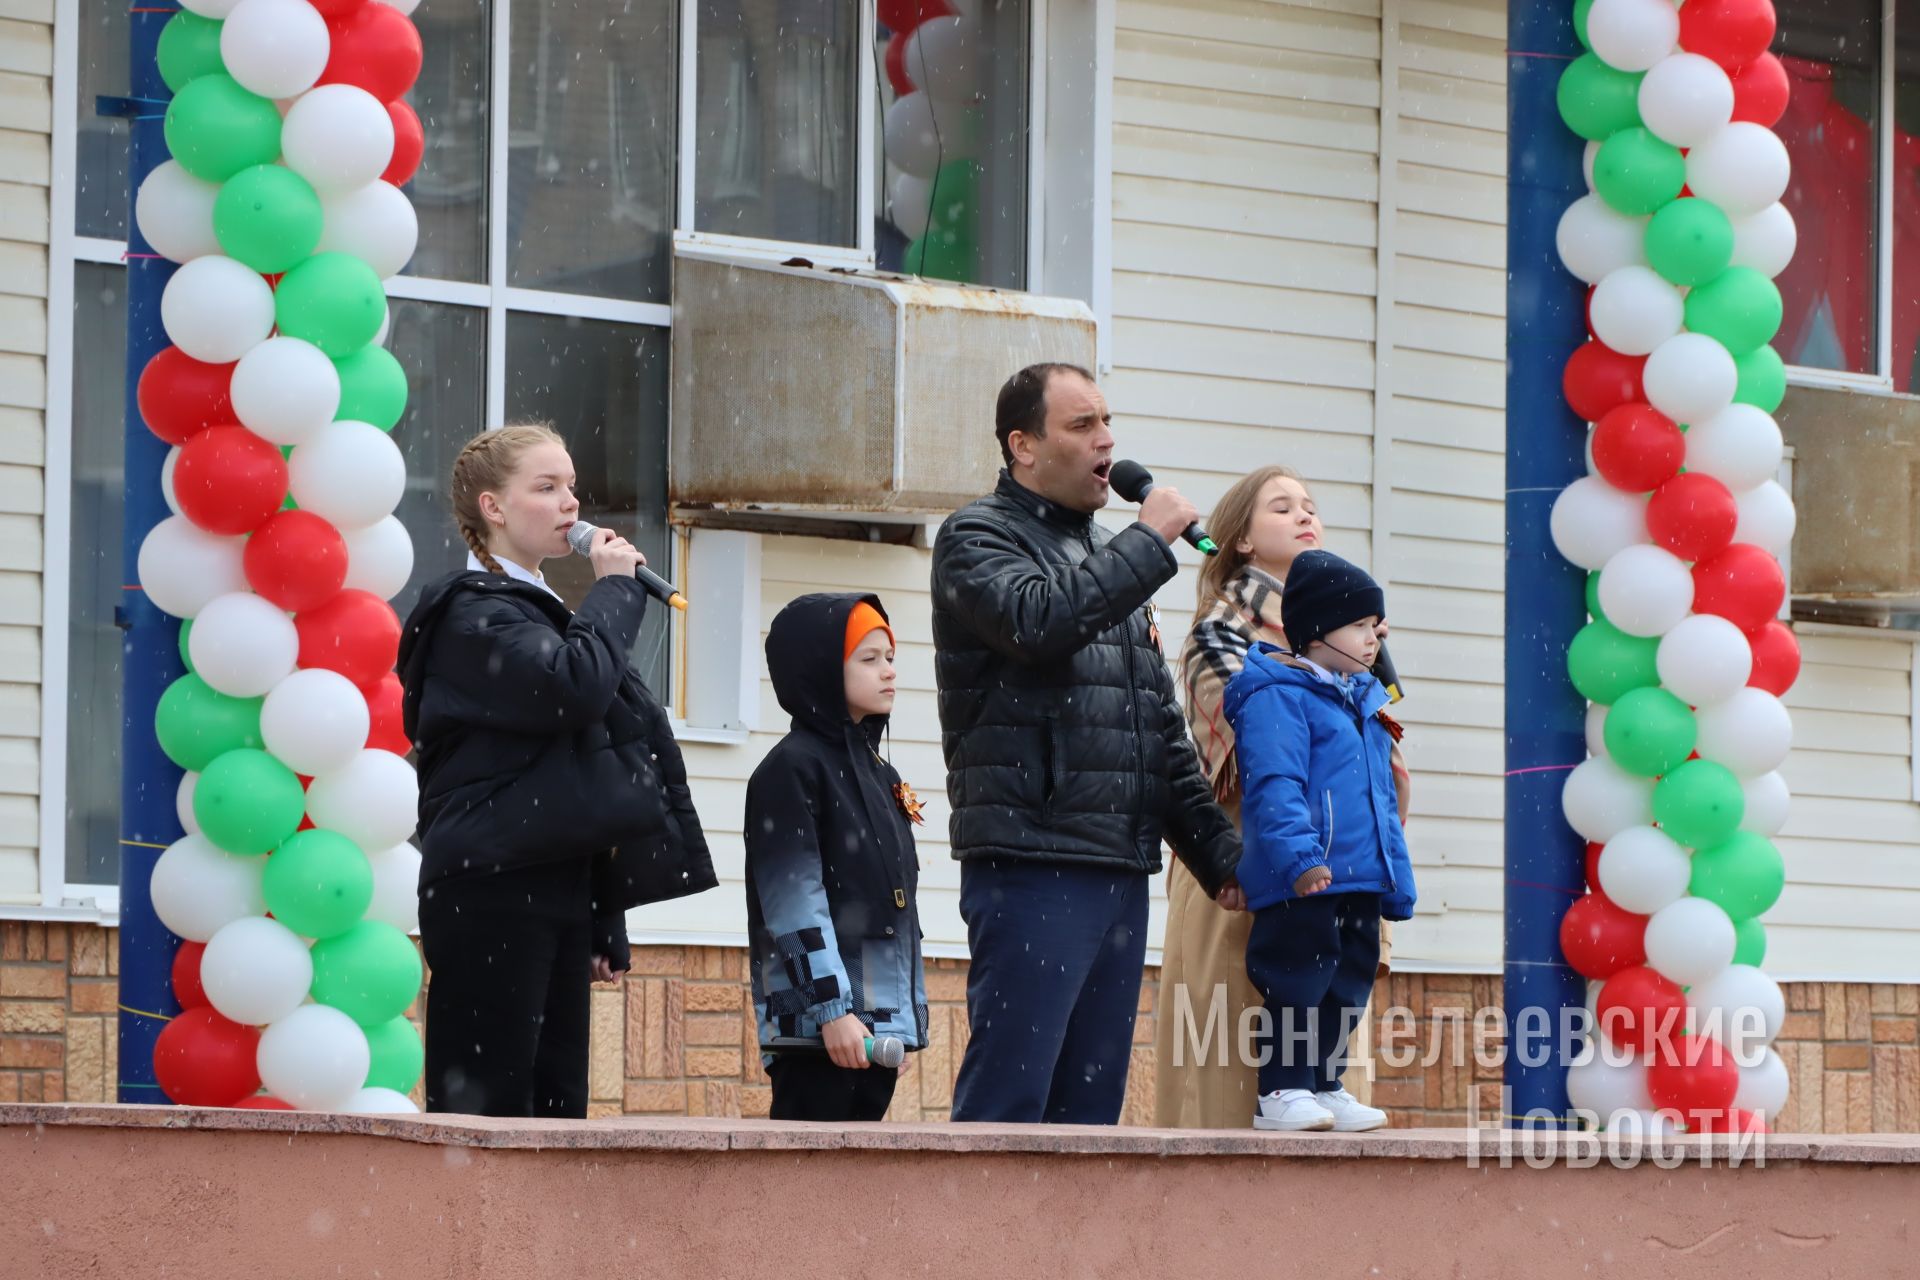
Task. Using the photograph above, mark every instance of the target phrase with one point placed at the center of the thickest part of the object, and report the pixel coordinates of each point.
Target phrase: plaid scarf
(1216, 649)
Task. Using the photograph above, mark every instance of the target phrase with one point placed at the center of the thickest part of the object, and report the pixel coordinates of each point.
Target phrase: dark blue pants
(1052, 989)
(1313, 961)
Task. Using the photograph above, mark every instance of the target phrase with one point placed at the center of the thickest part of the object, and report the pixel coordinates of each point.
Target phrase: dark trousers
(1052, 990)
(508, 1004)
(807, 1086)
(1313, 961)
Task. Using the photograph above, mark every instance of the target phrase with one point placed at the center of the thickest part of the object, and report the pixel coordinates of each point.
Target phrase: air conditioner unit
(803, 391)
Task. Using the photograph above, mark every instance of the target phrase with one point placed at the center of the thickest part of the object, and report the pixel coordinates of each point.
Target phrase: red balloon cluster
(388, 731)
(1693, 516)
(355, 633)
(1695, 1076)
(204, 1060)
(375, 47)
(229, 481)
(1637, 448)
(180, 396)
(1760, 91)
(297, 560)
(1599, 380)
(1743, 584)
(186, 975)
(1776, 657)
(1600, 938)
(1639, 1010)
(1730, 32)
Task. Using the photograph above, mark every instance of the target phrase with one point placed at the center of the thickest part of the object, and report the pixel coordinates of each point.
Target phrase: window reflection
(449, 192)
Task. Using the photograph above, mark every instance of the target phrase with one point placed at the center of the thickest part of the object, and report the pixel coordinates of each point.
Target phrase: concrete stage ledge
(139, 1191)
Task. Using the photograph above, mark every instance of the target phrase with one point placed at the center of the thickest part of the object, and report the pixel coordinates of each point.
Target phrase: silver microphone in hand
(886, 1051)
(580, 538)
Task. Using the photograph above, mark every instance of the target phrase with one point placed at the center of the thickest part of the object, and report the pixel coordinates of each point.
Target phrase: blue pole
(1544, 594)
(150, 647)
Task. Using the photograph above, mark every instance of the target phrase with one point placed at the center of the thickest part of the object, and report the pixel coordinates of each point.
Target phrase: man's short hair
(1023, 403)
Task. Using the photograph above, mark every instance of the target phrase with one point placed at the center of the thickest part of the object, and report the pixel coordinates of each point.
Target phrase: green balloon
(397, 1057)
(373, 387)
(186, 630)
(1606, 663)
(214, 128)
(1763, 378)
(1637, 173)
(371, 972)
(1594, 610)
(267, 217)
(1739, 308)
(247, 802)
(1597, 101)
(318, 883)
(332, 300)
(1699, 804)
(189, 48)
(1649, 731)
(197, 724)
(1744, 874)
(1581, 8)
(1689, 240)
(1750, 945)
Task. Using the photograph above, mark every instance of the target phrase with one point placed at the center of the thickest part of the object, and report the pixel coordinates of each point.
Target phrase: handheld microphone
(886, 1051)
(1389, 678)
(1134, 482)
(580, 538)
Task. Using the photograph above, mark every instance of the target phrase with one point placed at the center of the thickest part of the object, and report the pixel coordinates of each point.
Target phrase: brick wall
(677, 1038)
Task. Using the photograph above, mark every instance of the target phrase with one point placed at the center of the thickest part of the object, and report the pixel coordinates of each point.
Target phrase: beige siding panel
(19, 656)
(1331, 125)
(1242, 400)
(1471, 613)
(1205, 64)
(1221, 304)
(1255, 24)
(1430, 515)
(1215, 351)
(1439, 562)
(26, 102)
(26, 48)
(1452, 194)
(23, 270)
(19, 763)
(1323, 456)
(1473, 290)
(1451, 146)
(1453, 54)
(1486, 19)
(1450, 333)
(1447, 422)
(19, 873)
(1264, 260)
(1309, 171)
(23, 381)
(25, 157)
(1244, 211)
(23, 436)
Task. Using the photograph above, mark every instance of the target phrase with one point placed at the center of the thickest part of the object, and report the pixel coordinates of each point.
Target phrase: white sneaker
(1292, 1110)
(1350, 1115)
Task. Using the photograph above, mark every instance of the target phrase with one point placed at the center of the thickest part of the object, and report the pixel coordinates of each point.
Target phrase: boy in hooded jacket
(831, 869)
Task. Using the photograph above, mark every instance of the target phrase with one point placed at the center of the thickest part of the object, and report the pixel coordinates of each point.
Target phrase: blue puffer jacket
(1316, 782)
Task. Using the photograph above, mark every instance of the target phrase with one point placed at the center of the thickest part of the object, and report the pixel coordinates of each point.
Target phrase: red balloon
(336, 8)
(896, 61)
(1695, 1076)
(409, 144)
(179, 396)
(375, 47)
(1760, 91)
(296, 559)
(1776, 657)
(389, 727)
(1731, 32)
(1693, 516)
(228, 480)
(1599, 380)
(1586, 309)
(1743, 584)
(203, 1060)
(355, 633)
(1594, 849)
(1600, 939)
(186, 975)
(1638, 448)
(263, 1102)
(902, 16)
(1638, 1009)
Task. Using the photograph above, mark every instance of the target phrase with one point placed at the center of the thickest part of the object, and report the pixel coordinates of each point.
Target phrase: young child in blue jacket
(1325, 855)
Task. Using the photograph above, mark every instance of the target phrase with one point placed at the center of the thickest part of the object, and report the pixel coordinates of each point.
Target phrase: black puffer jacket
(537, 742)
(1057, 713)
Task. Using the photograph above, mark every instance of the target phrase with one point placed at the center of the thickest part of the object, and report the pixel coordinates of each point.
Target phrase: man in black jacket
(1067, 758)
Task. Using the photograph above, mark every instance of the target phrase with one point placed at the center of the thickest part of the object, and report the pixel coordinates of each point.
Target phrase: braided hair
(485, 465)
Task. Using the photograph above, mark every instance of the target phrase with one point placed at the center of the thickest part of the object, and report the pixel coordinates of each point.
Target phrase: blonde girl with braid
(553, 796)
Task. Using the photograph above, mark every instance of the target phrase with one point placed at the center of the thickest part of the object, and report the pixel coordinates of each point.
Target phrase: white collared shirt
(513, 571)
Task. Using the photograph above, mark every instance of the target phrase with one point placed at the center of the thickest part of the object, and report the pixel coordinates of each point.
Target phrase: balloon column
(294, 886)
(933, 58)
(1679, 524)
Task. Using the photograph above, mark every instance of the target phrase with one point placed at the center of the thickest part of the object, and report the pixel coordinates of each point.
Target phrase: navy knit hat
(1324, 593)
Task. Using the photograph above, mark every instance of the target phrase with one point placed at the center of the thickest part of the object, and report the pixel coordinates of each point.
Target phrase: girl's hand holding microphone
(613, 555)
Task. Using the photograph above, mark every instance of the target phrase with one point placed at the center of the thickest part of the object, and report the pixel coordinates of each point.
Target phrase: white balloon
(183, 804)
(921, 135)
(1685, 100)
(404, 6)
(285, 390)
(182, 567)
(1599, 1082)
(216, 9)
(372, 801)
(1595, 240)
(1587, 158)
(374, 223)
(316, 721)
(1592, 522)
(174, 211)
(1740, 446)
(243, 645)
(315, 1058)
(167, 469)
(1690, 377)
(275, 48)
(909, 203)
(378, 1101)
(1750, 733)
(1742, 1008)
(386, 327)
(1743, 169)
(1763, 1089)
(1634, 310)
(215, 309)
(1690, 941)
(1642, 869)
(379, 557)
(1646, 591)
(1596, 729)
(1767, 519)
(338, 137)
(198, 890)
(943, 59)
(256, 971)
(1767, 803)
(1632, 35)
(1601, 800)
(396, 887)
(1643, 1126)
(351, 473)
(1765, 240)
(1704, 659)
